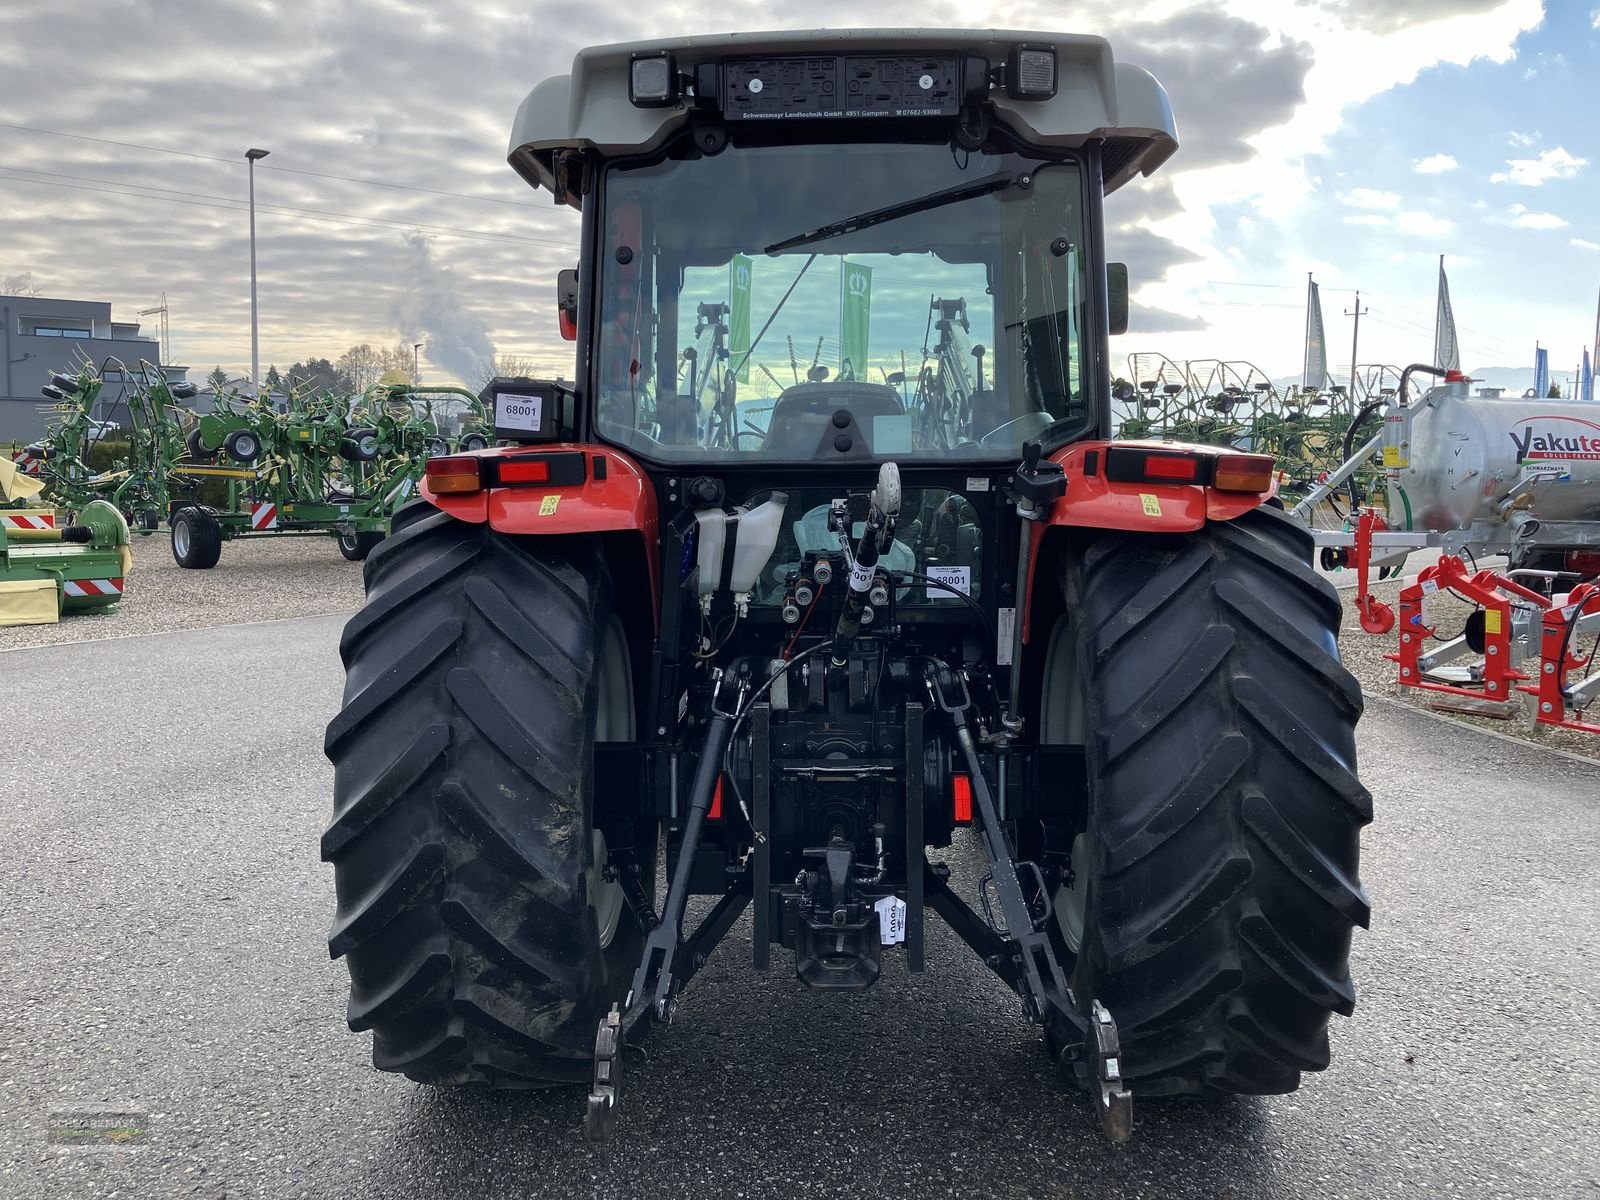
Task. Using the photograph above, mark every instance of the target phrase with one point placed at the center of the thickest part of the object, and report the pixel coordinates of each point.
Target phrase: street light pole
(251, 156)
(416, 361)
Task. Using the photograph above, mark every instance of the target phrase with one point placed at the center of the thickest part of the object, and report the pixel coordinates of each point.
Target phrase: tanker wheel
(196, 538)
(1211, 899)
(356, 546)
(483, 928)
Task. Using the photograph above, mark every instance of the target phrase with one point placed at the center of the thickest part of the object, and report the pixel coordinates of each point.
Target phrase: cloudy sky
(1355, 139)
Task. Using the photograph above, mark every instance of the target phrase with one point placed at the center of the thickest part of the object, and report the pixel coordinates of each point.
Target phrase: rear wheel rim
(613, 723)
(180, 538)
(1072, 899)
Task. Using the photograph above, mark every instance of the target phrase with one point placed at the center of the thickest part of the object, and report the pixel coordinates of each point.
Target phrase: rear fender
(614, 497)
(1095, 502)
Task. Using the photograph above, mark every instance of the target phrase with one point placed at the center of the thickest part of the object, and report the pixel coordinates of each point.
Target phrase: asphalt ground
(173, 1027)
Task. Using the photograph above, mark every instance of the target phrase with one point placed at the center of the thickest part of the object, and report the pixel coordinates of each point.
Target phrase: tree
(20, 284)
(274, 381)
(509, 366)
(401, 357)
(362, 366)
(217, 381)
(317, 375)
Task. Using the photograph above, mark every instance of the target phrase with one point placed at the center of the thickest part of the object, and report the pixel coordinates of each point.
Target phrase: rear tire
(479, 675)
(196, 538)
(1224, 809)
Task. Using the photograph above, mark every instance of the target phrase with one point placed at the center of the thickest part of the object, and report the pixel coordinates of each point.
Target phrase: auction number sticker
(959, 578)
(514, 411)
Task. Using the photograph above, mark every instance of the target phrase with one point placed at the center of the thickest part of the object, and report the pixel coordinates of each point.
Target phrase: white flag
(1446, 350)
(1316, 370)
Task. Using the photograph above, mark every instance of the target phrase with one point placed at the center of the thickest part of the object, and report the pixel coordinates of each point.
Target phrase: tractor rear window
(863, 302)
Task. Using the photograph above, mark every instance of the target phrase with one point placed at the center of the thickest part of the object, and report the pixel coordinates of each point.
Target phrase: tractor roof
(1096, 98)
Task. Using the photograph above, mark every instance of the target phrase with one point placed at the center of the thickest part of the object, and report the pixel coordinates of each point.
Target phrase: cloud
(1414, 224)
(1371, 198)
(1421, 224)
(1524, 218)
(1532, 172)
(1524, 140)
(1144, 318)
(1585, 244)
(1594, 19)
(1434, 164)
(1386, 16)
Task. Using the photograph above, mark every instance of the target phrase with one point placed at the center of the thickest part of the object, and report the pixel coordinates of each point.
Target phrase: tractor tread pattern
(1227, 811)
(461, 776)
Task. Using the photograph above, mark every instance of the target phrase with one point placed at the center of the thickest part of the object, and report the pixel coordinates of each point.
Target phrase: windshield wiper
(952, 195)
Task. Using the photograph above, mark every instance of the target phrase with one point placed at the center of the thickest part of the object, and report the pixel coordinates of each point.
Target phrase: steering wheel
(1018, 429)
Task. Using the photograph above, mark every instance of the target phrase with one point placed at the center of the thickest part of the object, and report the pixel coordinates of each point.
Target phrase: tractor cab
(843, 247)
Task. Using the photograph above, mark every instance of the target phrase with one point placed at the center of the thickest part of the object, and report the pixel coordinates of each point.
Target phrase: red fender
(615, 496)
(1095, 502)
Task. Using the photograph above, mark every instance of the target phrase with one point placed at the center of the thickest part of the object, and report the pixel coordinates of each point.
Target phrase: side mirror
(567, 303)
(1117, 296)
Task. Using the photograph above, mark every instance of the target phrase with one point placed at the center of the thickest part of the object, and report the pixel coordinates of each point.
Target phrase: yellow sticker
(1152, 504)
(547, 506)
(1491, 620)
(1394, 457)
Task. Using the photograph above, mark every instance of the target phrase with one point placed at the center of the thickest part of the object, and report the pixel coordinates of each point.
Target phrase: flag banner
(855, 320)
(1447, 350)
(1316, 372)
(739, 270)
(1586, 378)
(1541, 372)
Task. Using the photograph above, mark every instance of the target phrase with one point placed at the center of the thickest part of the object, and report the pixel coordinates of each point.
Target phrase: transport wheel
(242, 446)
(435, 446)
(360, 445)
(1211, 900)
(356, 546)
(474, 441)
(196, 538)
(483, 928)
(196, 447)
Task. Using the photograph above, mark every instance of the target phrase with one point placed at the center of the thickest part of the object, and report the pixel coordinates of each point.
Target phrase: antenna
(166, 335)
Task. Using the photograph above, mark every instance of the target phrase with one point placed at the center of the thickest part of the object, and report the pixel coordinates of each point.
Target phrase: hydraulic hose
(874, 537)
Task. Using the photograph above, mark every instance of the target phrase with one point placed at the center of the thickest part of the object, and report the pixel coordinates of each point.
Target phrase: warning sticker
(1151, 504)
(1491, 620)
(1394, 458)
(547, 506)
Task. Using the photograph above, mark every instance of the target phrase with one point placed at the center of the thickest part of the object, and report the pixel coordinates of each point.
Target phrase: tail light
(1225, 472)
(454, 474)
(1244, 472)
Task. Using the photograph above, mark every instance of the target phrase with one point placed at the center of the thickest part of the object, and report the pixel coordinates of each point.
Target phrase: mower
(795, 639)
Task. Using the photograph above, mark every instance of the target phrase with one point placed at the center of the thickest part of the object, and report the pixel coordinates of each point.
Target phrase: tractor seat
(836, 418)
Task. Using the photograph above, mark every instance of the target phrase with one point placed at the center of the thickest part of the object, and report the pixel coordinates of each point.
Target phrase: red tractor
(826, 553)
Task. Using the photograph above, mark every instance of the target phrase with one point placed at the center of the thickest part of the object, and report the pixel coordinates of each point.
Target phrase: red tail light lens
(569, 325)
(1171, 468)
(527, 470)
(453, 474)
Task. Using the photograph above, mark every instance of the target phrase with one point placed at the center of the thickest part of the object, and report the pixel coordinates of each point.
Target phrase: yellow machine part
(15, 485)
(30, 602)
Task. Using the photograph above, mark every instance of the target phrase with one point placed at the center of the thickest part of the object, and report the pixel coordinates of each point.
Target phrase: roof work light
(652, 80)
(1031, 72)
